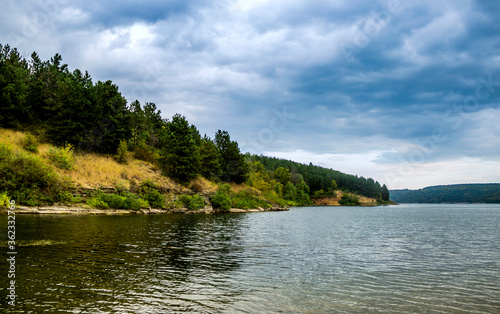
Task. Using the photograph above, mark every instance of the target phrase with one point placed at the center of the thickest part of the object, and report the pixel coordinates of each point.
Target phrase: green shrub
(150, 191)
(128, 201)
(142, 151)
(349, 200)
(68, 197)
(155, 199)
(135, 202)
(121, 187)
(28, 180)
(4, 200)
(6, 154)
(62, 157)
(221, 200)
(194, 202)
(30, 143)
(96, 202)
(274, 198)
(121, 153)
(247, 199)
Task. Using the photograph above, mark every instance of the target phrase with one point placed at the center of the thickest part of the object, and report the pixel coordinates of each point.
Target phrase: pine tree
(385, 193)
(210, 157)
(234, 166)
(14, 78)
(180, 155)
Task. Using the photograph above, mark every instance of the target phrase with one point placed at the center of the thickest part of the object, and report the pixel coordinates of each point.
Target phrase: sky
(405, 92)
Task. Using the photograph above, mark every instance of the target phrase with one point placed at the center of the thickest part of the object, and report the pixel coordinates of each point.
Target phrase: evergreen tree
(385, 193)
(234, 166)
(146, 124)
(210, 158)
(180, 155)
(14, 79)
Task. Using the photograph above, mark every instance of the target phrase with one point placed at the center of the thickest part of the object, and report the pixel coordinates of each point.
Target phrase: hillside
(67, 139)
(460, 193)
(41, 174)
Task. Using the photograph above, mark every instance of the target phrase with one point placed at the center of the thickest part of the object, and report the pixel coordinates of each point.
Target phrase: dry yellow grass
(12, 139)
(203, 185)
(334, 201)
(92, 170)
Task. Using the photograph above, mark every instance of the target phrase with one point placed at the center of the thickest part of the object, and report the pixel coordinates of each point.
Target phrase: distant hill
(459, 193)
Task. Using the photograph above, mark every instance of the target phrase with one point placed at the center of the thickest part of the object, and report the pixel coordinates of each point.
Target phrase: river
(390, 259)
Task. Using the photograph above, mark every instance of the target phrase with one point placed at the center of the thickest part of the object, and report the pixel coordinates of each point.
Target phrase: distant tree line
(460, 193)
(322, 181)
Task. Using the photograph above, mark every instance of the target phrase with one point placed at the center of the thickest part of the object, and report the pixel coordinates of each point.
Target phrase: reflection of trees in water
(201, 243)
(121, 257)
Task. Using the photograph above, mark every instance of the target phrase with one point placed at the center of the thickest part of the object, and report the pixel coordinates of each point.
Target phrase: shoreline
(77, 210)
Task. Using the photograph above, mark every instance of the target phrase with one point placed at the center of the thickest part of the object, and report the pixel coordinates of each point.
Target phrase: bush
(247, 199)
(28, 180)
(155, 199)
(194, 202)
(128, 201)
(151, 192)
(62, 157)
(96, 202)
(6, 154)
(68, 198)
(147, 153)
(274, 198)
(349, 200)
(4, 200)
(121, 153)
(30, 143)
(221, 200)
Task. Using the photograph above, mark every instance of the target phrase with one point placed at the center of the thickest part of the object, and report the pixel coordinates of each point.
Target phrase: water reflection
(127, 263)
(438, 258)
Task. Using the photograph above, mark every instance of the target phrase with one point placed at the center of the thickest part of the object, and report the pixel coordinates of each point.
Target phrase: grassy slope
(92, 171)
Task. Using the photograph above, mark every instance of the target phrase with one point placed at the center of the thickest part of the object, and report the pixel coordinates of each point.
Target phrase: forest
(71, 111)
(459, 193)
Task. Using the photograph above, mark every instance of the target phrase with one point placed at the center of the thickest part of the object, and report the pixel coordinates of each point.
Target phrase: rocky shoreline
(85, 210)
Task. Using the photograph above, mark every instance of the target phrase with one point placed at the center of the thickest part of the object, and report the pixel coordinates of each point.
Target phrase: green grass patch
(349, 200)
(27, 180)
(151, 192)
(221, 200)
(248, 199)
(62, 157)
(127, 200)
(193, 202)
(30, 143)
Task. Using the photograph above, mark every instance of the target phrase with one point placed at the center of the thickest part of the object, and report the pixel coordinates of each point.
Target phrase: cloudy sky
(405, 92)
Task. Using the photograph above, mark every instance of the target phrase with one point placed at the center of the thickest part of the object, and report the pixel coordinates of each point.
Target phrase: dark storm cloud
(364, 77)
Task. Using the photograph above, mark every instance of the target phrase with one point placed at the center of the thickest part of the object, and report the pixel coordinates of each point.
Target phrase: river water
(391, 259)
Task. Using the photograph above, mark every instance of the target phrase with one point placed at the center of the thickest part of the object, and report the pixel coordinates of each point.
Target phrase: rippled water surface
(407, 258)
